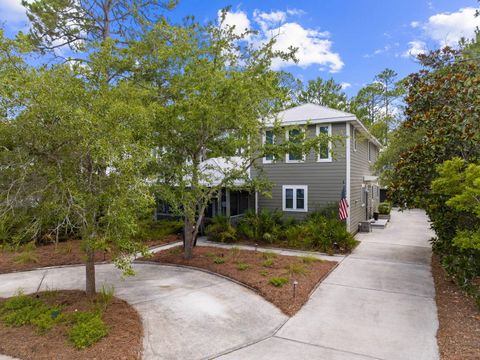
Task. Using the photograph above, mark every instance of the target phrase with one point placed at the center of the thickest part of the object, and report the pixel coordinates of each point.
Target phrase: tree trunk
(90, 272)
(188, 239)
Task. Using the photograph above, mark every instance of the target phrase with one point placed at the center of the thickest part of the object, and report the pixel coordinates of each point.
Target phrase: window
(369, 152)
(296, 137)
(295, 198)
(354, 135)
(325, 150)
(268, 139)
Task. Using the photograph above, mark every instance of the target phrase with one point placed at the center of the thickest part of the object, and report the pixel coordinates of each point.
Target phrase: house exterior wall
(359, 167)
(324, 179)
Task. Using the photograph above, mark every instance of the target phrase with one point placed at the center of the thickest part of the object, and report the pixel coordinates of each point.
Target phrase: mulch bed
(123, 342)
(64, 253)
(458, 335)
(257, 275)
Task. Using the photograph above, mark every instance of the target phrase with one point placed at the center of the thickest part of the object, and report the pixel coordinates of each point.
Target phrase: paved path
(187, 314)
(377, 304)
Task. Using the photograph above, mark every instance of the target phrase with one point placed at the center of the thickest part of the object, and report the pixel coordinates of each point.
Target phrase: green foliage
(324, 92)
(296, 269)
(241, 266)
(268, 255)
(264, 272)
(309, 259)
(104, 298)
(219, 260)
(266, 226)
(384, 208)
(152, 230)
(268, 262)
(278, 281)
(435, 161)
(329, 211)
(220, 230)
(22, 310)
(88, 328)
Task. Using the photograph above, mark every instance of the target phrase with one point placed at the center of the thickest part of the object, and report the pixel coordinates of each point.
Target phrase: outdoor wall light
(295, 283)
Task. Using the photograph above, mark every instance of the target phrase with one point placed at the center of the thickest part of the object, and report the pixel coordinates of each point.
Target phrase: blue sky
(349, 40)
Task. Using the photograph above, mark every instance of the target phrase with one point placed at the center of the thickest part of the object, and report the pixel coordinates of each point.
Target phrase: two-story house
(303, 183)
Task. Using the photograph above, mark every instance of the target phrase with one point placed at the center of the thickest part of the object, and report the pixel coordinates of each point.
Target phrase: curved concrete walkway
(187, 314)
(377, 304)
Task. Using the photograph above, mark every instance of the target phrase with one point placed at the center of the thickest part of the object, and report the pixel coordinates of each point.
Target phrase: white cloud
(415, 48)
(415, 24)
(238, 19)
(314, 46)
(345, 85)
(12, 11)
(449, 28)
(296, 12)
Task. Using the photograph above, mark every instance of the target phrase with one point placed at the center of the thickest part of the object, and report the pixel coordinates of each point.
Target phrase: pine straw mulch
(124, 341)
(64, 253)
(257, 275)
(458, 334)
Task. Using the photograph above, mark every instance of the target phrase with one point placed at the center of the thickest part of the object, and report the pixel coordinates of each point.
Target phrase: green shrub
(329, 211)
(384, 208)
(219, 260)
(241, 266)
(309, 259)
(23, 310)
(88, 329)
(268, 262)
(265, 226)
(263, 272)
(153, 230)
(268, 255)
(296, 269)
(104, 298)
(278, 281)
(220, 230)
(25, 257)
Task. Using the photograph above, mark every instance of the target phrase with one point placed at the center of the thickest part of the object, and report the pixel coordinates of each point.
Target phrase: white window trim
(294, 188)
(354, 136)
(329, 159)
(369, 151)
(265, 160)
(287, 156)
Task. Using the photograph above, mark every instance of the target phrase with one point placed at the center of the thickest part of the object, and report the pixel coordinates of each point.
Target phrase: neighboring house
(305, 183)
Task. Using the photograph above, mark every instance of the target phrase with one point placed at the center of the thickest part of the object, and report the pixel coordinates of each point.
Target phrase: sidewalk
(377, 304)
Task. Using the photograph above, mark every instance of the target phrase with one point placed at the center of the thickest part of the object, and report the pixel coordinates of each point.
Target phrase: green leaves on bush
(296, 269)
(23, 310)
(384, 208)
(278, 281)
(220, 230)
(88, 329)
(241, 266)
(265, 226)
(218, 260)
(268, 262)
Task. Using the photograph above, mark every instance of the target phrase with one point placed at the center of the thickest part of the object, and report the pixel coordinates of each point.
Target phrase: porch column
(227, 203)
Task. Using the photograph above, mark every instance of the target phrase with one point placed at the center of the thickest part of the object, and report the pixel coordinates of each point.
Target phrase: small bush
(268, 262)
(23, 310)
(309, 259)
(296, 269)
(242, 266)
(220, 230)
(219, 260)
(265, 226)
(154, 230)
(269, 255)
(210, 255)
(104, 298)
(88, 329)
(384, 208)
(263, 272)
(278, 281)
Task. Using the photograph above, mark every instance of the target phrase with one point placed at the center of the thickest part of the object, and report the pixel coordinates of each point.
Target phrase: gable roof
(316, 114)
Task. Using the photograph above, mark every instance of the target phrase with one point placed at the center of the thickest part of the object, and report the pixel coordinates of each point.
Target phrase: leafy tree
(293, 88)
(73, 153)
(214, 95)
(326, 93)
(77, 23)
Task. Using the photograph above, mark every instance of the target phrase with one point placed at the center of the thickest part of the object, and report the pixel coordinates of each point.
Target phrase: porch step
(380, 223)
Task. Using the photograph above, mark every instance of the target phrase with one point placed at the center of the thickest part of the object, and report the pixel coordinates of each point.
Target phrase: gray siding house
(302, 184)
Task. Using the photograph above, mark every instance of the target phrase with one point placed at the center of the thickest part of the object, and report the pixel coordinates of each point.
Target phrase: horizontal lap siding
(324, 179)
(359, 166)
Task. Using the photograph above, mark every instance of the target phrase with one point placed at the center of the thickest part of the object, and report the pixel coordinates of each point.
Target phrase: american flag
(343, 205)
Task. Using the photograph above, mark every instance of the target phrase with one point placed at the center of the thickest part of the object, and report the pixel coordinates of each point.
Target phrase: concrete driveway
(377, 304)
(187, 314)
